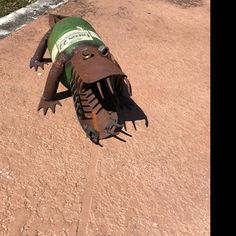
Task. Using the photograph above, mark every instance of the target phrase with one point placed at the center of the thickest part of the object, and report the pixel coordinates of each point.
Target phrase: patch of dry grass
(8, 6)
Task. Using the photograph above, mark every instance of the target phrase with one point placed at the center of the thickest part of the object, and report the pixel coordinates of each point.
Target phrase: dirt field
(54, 181)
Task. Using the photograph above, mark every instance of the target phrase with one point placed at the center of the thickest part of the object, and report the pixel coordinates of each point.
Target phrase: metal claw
(53, 108)
(112, 123)
(118, 125)
(111, 132)
(96, 142)
(45, 110)
(94, 137)
(100, 89)
(92, 134)
(109, 85)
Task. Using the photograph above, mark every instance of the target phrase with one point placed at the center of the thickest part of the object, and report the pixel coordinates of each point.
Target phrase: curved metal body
(66, 35)
(84, 65)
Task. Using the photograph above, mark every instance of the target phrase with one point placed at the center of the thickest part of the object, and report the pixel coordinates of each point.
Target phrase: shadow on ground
(128, 111)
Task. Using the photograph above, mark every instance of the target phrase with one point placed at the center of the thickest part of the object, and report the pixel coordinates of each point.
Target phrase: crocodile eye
(86, 54)
(104, 50)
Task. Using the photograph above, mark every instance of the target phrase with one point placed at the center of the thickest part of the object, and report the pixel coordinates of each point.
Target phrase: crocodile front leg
(37, 60)
(48, 100)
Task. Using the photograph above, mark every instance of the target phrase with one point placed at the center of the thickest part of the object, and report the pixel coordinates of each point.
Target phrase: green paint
(69, 33)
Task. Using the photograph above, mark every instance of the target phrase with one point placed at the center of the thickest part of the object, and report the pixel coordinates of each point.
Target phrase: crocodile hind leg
(37, 60)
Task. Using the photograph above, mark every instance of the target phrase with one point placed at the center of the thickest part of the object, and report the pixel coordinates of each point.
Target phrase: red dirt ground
(54, 181)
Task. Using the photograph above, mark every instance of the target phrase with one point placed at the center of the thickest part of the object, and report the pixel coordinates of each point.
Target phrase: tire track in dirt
(88, 194)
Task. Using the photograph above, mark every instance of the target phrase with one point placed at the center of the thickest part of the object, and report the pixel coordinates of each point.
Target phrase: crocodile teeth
(109, 85)
(100, 89)
(81, 87)
(129, 86)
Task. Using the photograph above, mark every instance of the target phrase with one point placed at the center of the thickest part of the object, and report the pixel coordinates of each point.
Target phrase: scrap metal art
(86, 67)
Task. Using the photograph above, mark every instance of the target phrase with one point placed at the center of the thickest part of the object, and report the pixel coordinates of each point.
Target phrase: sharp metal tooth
(129, 86)
(109, 85)
(73, 87)
(81, 87)
(75, 96)
(78, 83)
(99, 110)
(77, 106)
(74, 75)
(89, 95)
(100, 89)
(74, 93)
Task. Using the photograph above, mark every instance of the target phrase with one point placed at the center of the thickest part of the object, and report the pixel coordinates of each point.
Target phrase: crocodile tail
(53, 19)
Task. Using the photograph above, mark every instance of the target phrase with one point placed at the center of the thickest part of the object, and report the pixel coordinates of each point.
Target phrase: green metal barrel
(66, 35)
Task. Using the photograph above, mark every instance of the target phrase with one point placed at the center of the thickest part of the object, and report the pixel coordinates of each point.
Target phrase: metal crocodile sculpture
(86, 67)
